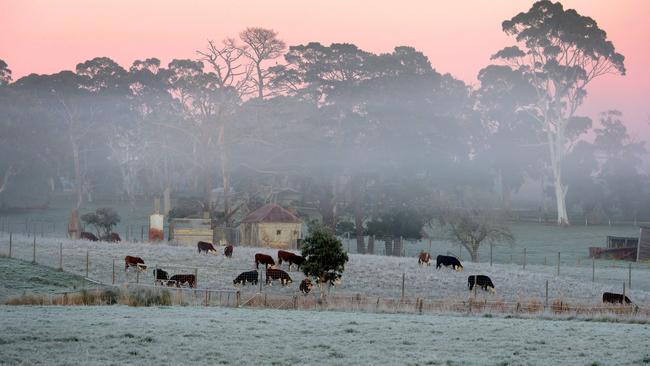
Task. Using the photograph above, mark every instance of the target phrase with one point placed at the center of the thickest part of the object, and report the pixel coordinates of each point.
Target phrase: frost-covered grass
(19, 277)
(121, 335)
(370, 275)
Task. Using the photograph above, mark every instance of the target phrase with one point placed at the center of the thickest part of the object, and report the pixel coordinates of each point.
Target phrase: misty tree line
(358, 134)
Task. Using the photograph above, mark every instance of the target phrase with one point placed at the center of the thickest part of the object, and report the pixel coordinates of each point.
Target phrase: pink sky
(458, 36)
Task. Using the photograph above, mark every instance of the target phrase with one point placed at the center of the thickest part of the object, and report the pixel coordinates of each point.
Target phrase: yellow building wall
(278, 235)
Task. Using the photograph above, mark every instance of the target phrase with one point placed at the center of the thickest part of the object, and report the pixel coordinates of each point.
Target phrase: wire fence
(100, 264)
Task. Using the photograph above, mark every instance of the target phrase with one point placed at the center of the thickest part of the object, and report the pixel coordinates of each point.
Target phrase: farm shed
(190, 231)
(270, 226)
(618, 247)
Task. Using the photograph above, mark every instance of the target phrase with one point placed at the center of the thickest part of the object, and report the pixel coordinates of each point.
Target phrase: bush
(103, 219)
(324, 257)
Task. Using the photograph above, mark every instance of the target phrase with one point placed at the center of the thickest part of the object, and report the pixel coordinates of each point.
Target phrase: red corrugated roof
(271, 213)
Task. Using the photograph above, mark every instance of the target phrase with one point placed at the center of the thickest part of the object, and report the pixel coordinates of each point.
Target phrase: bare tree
(261, 45)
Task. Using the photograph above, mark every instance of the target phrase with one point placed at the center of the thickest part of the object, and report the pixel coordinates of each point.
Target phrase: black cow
(160, 275)
(277, 274)
(447, 261)
(481, 281)
(266, 260)
(206, 247)
(612, 298)
(250, 276)
(88, 236)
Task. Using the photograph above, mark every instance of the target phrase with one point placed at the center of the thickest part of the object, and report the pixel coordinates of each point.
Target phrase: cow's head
(458, 268)
(142, 267)
(493, 290)
(213, 251)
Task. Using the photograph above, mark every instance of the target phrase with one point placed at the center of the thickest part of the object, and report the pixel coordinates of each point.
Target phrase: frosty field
(119, 335)
(20, 277)
(364, 274)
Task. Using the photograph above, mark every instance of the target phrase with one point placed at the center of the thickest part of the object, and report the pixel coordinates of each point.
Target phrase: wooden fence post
(142, 233)
(87, 263)
(60, 256)
(403, 277)
(623, 301)
(238, 298)
(629, 275)
(593, 269)
(524, 259)
(10, 243)
(546, 295)
(137, 275)
(34, 250)
(558, 263)
(113, 271)
(196, 277)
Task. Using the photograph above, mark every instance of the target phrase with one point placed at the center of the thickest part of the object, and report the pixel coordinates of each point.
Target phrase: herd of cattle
(273, 273)
(484, 282)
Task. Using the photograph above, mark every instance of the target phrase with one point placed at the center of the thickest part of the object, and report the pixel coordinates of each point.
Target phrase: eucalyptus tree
(511, 140)
(621, 159)
(560, 52)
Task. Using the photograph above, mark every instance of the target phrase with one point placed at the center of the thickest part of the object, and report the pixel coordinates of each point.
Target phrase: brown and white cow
(88, 236)
(227, 252)
(114, 237)
(290, 258)
(306, 285)
(182, 279)
(424, 259)
(264, 259)
(136, 262)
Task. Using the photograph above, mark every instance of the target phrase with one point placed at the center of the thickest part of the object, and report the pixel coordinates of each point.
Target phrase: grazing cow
(227, 252)
(613, 298)
(114, 238)
(447, 261)
(424, 258)
(88, 236)
(160, 275)
(481, 281)
(182, 279)
(266, 260)
(277, 274)
(136, 262)
(290, 258)
(206, 247)
(250, 276)
(306, 286)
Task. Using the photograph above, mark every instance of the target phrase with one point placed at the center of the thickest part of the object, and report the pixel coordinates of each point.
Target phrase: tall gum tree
(560, 52)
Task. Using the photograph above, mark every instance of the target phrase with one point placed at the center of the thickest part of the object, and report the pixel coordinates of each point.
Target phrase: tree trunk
(358, 215)
(77, 171)
(225, 172)
(556, 148)
(397, 247)
(371, 245)
(260, 81)
(388, 242)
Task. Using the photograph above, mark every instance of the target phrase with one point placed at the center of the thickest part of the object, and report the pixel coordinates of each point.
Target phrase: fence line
(93, 261)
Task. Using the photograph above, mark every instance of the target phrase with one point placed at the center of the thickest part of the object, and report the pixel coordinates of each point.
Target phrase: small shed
(190, 231)
(270, 226)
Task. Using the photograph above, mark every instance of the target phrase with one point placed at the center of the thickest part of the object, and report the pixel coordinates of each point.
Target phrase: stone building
(270, 226)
